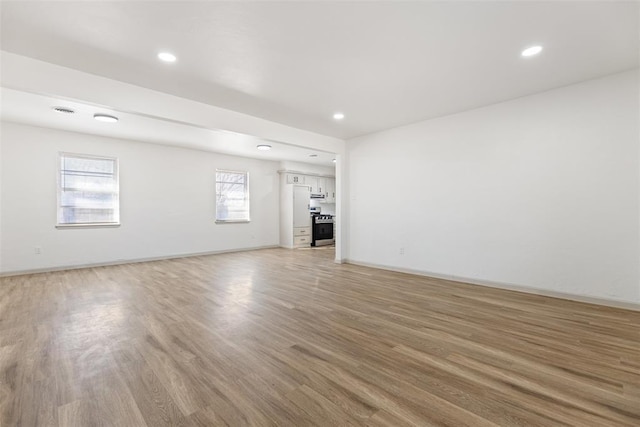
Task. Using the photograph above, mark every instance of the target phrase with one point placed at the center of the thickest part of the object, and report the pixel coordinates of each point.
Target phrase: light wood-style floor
(288, 338)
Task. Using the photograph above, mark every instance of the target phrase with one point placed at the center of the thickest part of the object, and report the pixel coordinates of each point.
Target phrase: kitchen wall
(328, 209)
(325, 208)
(539, 192)
(167, 202)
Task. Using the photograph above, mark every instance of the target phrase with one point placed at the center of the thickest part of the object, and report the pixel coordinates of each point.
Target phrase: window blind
(232, 196)
(88, 190)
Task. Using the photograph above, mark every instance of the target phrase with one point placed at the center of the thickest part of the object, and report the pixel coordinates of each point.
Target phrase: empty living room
(319, 213)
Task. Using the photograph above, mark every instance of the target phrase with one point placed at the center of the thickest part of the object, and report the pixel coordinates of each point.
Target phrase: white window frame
(116, 174)
(247, 197)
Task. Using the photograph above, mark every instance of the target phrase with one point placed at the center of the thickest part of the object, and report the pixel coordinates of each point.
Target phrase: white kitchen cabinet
(322, 185)
(301, 241)
(301, 231)
(301, 201)
(312, 182)
(295, 178)
(318, 184)
(330, 190)
(295, 220)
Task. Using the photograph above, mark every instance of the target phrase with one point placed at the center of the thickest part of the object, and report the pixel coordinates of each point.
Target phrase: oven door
(322, 234)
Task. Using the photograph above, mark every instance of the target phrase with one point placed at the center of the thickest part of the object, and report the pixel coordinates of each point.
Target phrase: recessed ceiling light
(105, 118)
(167, 57)
(263, 147)
(63, 110)
(334, 160)
(531, 51)
(338, 116)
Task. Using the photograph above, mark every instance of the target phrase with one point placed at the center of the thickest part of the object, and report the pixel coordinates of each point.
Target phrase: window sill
(97, 225)
(232, 221)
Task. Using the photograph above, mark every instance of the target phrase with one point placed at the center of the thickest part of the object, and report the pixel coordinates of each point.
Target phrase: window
(88, 191)
(232, 196)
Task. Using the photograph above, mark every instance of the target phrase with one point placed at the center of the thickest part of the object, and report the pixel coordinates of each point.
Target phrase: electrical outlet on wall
(37, 250)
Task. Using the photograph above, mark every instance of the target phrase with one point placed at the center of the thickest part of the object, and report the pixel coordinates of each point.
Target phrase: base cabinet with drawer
(301, 231)
(301, 236)
(301, 241)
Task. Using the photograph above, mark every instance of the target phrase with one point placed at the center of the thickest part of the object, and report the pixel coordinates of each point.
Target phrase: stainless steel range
(322, 230)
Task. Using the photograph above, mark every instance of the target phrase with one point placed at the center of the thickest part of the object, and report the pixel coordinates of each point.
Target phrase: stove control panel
(323, 219)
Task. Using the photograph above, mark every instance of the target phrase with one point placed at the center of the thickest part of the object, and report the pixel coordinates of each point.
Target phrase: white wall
(308, 168)
(541, 191)
(167, 202)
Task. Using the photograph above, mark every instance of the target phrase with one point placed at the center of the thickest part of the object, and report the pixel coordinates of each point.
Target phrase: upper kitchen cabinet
(321, 185)
(330, 190)
(295, 178)
(312, 181)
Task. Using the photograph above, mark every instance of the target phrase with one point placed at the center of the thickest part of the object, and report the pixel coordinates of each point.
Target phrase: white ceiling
(383, 64)
(34, 109)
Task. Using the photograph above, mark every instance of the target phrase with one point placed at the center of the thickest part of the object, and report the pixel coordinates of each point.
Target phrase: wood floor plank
(175, 377)
(155, 404)
(205, 417)
(281, 337)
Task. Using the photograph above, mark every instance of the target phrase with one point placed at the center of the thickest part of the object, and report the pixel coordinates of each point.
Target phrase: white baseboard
(130, 261)
(507, 286)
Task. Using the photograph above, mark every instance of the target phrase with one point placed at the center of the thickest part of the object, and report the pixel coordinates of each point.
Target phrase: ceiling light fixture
(105, 118)
(63, 110)
(167, 57)
(531, 51)
(338, 116)
(334, 160)
(263, 147)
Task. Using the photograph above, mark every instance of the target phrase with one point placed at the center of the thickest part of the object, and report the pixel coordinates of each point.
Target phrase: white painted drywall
(541, 192)
(31, 75)
(307, 168)
(167, 202)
